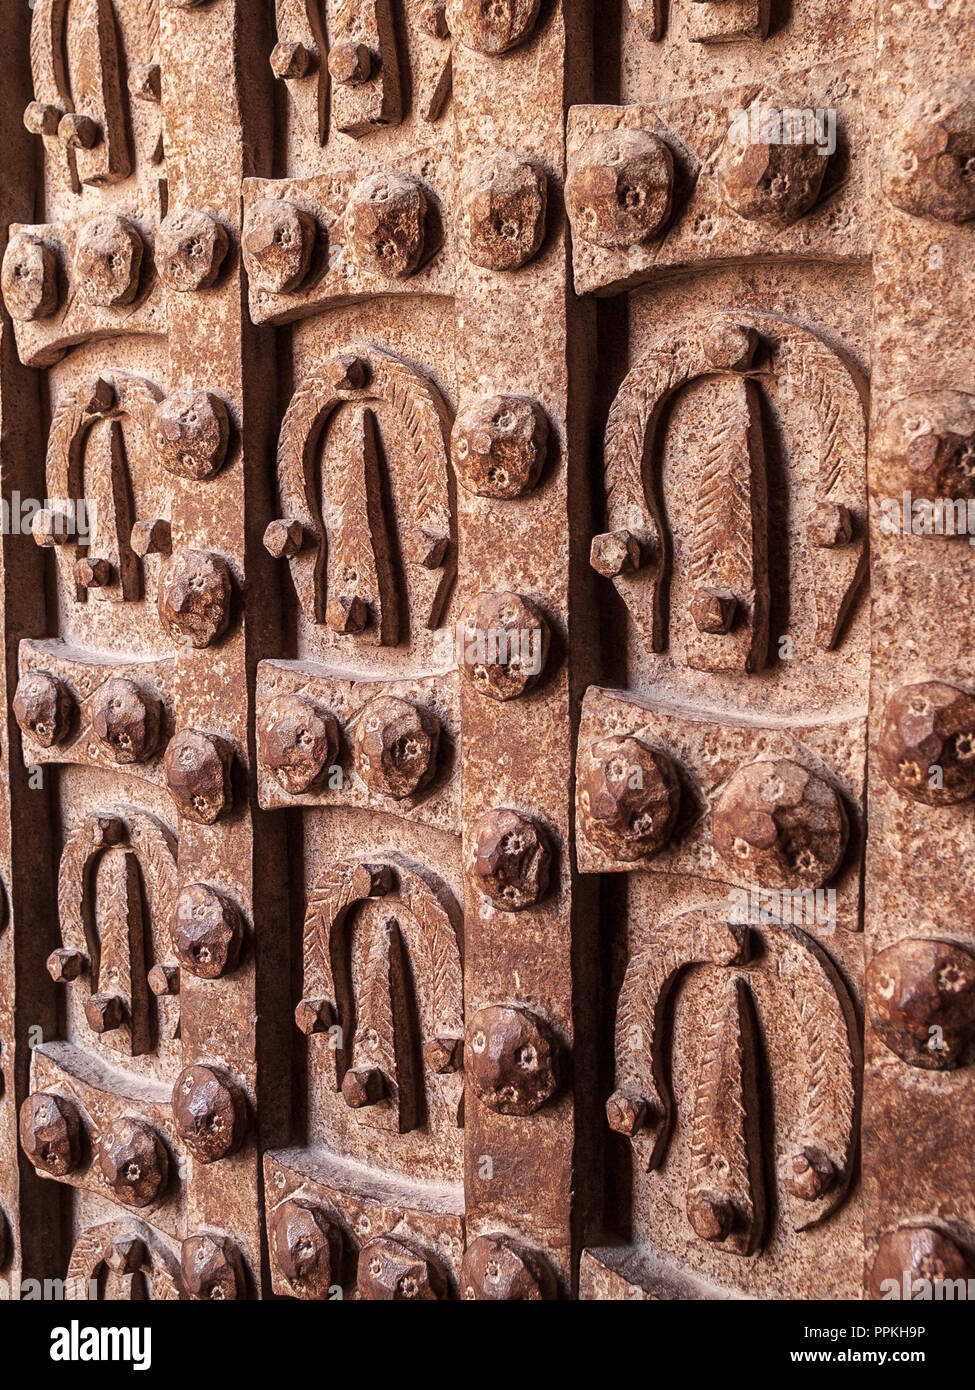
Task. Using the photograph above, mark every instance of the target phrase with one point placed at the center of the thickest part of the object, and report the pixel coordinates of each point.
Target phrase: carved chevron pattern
(424, 415)
(724, 1184)
(436, 963)
(725, 1192)
(724, 532)
(697, 938)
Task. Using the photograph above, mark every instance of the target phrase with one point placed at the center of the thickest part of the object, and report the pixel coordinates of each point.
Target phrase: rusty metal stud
(511, 1059)
(105, 1012)
(396, 746)
(830, 526)
(497, 1268)
(93, 573)
(505, 199)
(386, 224)
(107, 260)
(63, 966)
(811, 1173)
(277, 243)
(125, 721)
(210, 1113)
(197, 767)
(306, 1245)
(194, 597)
(912, 1253)
(190, 431)
(43, 707)
(615, 553)
(363, 1087)
(29, 278)
(620, 190)
(626, 1111)
(163, 980)
(126, 1254)
(40, 118)
(145, 82)
(927, 444)
(780, 824)
(283, 539)
(629, 797)
(289, 60)
(78, 132)
(347, 371)
(505, 645)
(190, 249)
(392, 1269)
(492, 28)
(444, 1055)
(432, 18)
(299, 742)
(920, 1002)
(926, 748)
(52, 526)
(207, 932)
(50, 1133)
(151, 537)
(927, 164)
(351, 64)
(713, 610)
(314, 1016)
(133, 1161)
(212, 1268)
(346, 615)
(509, 859)
(498, 446)
(771, 183)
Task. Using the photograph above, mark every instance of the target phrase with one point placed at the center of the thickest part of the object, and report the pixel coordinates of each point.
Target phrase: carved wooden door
(445, 696)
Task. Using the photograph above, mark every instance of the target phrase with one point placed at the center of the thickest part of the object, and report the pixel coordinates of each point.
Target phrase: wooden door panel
(484, 802)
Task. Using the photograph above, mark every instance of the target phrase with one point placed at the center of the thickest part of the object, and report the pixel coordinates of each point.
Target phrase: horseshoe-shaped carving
(117, 969)
(816, 1162)
(96, 399)
(725, 1187)
(84, 122)
(633, 551)
(364, 374)
(300, 60)
(124, 1249)
(820, 375)
(642, 1105)
(815, 1159)
(437, 964)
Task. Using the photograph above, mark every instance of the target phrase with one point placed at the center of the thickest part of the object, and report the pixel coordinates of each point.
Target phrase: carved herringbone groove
(652, 971)
(724, 531)
(720, 1161)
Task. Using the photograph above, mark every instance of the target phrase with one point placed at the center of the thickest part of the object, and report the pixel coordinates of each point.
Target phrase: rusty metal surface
(485, 789)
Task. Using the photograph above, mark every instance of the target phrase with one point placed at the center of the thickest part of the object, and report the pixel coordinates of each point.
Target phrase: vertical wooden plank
(521, 334)
(218, 121)
(30, 1245)
(920, 1008)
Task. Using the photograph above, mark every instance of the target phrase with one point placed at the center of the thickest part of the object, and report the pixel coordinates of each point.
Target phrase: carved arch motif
(78, 104)
(379, 1044)
(814, 1159)
(634, 551)
(142, 854)
(361, 375)
(102, 480)
(124, 1251)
